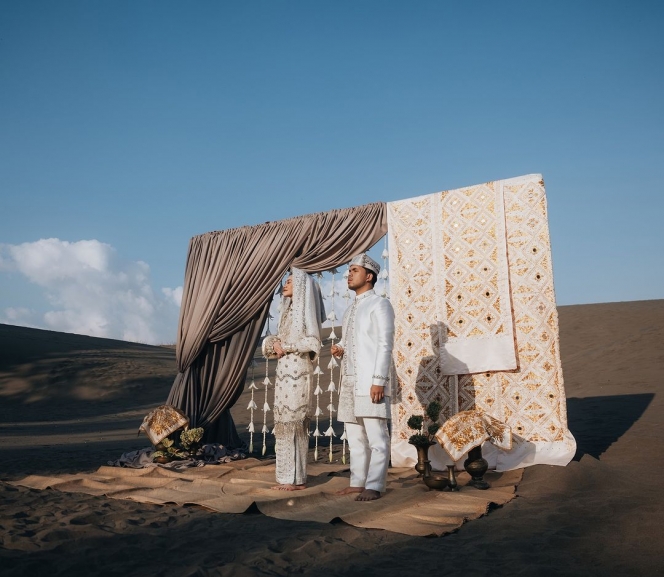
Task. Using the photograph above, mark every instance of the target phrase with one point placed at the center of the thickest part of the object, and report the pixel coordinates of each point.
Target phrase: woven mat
(408, 506)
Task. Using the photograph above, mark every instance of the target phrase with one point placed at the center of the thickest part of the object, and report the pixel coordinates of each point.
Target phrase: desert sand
(70, 403)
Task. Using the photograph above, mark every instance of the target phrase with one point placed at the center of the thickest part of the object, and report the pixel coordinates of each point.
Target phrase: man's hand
(278, 349)
(337, 351)
(377, 393)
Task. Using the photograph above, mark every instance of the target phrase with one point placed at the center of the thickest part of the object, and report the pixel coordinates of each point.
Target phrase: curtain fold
(338, 235)
(230, 279)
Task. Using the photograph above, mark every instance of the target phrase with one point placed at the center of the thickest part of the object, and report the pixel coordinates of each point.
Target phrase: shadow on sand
(598, 422)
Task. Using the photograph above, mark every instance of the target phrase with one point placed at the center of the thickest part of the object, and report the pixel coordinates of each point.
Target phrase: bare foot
(368, 495)
(289, 487)
(349, 490)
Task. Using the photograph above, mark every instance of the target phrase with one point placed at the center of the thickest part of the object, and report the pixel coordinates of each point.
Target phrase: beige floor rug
(407, 507)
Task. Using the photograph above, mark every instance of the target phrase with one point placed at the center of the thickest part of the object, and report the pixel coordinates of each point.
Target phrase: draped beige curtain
(230, 278)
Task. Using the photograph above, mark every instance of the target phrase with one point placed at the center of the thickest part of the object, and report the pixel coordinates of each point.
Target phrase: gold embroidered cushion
(469, 429)
(162, 421)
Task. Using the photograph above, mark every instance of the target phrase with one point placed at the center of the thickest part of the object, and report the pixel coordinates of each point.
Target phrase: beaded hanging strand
(267, 383)
(252, 406)
(331, 388)
(384, 274)
(318, 391)
(266, 407)
(346, 296)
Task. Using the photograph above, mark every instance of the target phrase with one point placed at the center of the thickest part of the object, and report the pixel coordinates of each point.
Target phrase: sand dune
(70, 403)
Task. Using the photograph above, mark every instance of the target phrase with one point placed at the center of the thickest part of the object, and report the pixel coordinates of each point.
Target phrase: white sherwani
(367, 340)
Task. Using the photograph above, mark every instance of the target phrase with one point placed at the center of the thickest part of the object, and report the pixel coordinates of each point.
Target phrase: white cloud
(91, 291)
(174, 295)
(19, 316)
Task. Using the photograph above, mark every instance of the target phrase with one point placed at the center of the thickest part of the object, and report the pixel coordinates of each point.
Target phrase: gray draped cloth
(230, 278)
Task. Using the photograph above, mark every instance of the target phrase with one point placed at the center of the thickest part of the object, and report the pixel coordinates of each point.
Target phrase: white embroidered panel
(448, 266)
(467, 304)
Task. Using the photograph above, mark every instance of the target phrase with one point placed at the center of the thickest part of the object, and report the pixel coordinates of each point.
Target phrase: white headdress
(307, 305)
(367, 262)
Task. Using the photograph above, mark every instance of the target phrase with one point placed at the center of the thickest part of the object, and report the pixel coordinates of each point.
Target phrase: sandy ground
(70, 403)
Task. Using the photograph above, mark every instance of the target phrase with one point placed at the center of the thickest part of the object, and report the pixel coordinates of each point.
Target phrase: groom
(366, 348)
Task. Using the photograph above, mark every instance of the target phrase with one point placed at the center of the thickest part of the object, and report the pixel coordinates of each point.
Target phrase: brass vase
(423, 466)
(476, 466)
(451, 478)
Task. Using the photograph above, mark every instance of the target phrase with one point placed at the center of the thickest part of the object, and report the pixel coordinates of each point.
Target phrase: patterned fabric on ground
(211, 453)
(448, 290)
(469, 429)
(162, 421)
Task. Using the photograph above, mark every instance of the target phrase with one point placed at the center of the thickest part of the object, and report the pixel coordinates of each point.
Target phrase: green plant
(191, 438)
(186, 447)
(426, 432)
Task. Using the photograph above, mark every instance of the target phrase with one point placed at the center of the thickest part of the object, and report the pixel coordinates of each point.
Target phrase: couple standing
(364, 405)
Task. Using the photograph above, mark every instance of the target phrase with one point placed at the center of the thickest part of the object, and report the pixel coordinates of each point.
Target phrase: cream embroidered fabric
(469, 429)
(161, 422)
(476, 324)
(448, 265)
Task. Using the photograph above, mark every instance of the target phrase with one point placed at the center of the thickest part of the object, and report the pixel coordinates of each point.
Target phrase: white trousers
(369, 444)
(291, 450)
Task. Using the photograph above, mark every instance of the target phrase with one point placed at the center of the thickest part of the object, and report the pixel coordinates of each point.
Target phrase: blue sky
(137, 125)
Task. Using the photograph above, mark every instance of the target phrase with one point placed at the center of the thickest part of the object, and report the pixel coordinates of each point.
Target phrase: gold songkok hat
(367, 262)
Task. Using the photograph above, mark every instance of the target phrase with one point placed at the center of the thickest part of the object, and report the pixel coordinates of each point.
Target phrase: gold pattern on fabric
(473, 244)
(419, 378)
(162, 421)
(469, 429)
(532, 399)
(491, 224)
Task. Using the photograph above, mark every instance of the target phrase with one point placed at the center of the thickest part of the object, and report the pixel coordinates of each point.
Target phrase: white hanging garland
(267, 383)
(384, 274)
(331, 388)
(252, 406)
(317, 393)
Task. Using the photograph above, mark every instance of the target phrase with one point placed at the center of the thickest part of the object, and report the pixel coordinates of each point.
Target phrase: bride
(296, 345)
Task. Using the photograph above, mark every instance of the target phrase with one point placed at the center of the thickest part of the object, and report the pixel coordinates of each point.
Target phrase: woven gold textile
(476, 324)
(162, 421)
(469, 429)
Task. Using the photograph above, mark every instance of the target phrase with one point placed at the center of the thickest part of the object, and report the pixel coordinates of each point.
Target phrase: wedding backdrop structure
(230, 279)
(472, 288)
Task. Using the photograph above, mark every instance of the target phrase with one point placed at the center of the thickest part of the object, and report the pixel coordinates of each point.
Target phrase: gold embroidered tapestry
(476, 324)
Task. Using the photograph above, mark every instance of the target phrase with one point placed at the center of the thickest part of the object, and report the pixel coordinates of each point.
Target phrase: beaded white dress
(299, 335)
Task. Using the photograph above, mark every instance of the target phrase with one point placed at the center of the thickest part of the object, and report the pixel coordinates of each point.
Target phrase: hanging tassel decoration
(317, 393)
(384, 274)
(332, 317)
(252, 406)
(344, 438)
(266, 406)
(346, 295)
